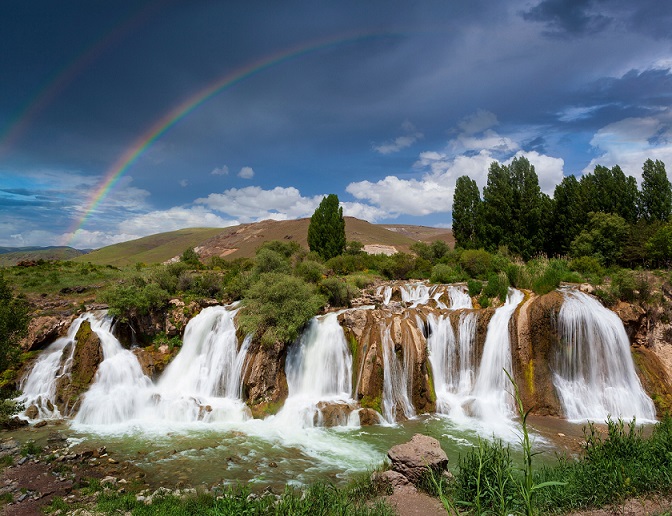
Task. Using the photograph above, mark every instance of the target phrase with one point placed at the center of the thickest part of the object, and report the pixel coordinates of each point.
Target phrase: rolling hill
(11, 256)
(243, 240)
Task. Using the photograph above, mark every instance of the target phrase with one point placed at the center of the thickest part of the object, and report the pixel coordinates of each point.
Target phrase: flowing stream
(594, 372)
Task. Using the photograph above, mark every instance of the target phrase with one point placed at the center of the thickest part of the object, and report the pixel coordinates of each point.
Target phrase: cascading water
(415, 294)
(386, 292)
(459, 298)
(118, 380)
(396, 380)
(594, 372)
(39, 386)
(492, 401)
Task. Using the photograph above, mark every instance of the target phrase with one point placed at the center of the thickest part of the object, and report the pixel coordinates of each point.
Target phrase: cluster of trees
(603, 214)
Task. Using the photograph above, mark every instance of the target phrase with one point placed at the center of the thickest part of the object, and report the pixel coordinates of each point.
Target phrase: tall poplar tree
(466, 208)
(655, 199)
(326, 232)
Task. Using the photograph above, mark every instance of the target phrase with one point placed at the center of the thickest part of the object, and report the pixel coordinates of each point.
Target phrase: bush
(310, 271)
(587, 265)
(444, 273)
(127, 301)
(398, 266)
(286, 248)
(474, 287)
(268, 260)
(624, 285)
(277, 307)
(497, 286)
(476, 262)
(338, 291)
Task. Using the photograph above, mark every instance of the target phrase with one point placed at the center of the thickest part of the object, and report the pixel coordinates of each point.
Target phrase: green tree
(326, 232)
(603, 238)
(190, 257)
(610, 191)
(466, 207)
(655, 199)
(13, 324)
(659, 247)
(514, 208)
(567, 217)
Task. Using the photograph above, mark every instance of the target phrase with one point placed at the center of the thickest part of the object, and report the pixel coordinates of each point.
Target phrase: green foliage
(603, 238)
(555, 271)
(444, 273)
(14, 317)
(347, 263)
(310, 271)
(466, 212)
(567, 216)
(476, 262)
(326, 232)
(286, 248)
(338, 291)
(277, 307)
(655, 199)
(497, 286)
(587, 265)
(190, 257)
(398, 266)
(659, 246)
(128, 301)
(354, 247)
(474, 287)
(610, 191)
(268, 260)
(513, 208)
(30, 448)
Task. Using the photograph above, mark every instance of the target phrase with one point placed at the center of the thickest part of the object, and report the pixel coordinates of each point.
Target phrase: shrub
(624, 285)
(474, 287)
(268, 260)
(476, 262)
(190, 257)
(286, 248)
(444, 273)
(127, 301)
(278, 306)
(310, 271)
(588, 265)
(338, 291)
(497, 286)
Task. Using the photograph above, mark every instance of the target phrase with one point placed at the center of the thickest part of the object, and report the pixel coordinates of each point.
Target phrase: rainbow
(140, 145)
(62, 79)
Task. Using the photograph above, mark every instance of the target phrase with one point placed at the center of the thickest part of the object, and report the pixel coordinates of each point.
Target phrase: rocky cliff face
(87, 357)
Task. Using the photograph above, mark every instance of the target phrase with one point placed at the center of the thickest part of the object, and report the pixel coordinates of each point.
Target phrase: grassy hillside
(9, 258)
(243, 240)
(151, 249)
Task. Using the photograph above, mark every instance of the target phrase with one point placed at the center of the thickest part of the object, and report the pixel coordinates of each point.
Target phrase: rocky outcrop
(43, 330)
(87, 357)
(154, 361)
(414, 458)
(264, 380)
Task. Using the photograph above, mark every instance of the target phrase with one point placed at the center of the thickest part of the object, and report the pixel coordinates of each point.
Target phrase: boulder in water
(414, 458)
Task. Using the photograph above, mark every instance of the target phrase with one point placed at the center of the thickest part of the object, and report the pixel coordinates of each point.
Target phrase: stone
(412, 459)
(393, 479)
(32, 412)
(40, 424)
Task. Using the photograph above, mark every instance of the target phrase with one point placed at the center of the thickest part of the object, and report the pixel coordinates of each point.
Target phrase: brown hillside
(242, 241)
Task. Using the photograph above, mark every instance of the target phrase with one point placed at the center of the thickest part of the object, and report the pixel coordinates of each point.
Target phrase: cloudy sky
(127, 118)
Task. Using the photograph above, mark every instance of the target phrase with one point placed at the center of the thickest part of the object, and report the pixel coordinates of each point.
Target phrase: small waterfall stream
(319, 370)
(38, 387)
(594, 371)
(396, 380)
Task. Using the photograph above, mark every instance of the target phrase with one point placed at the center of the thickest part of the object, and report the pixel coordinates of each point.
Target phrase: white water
(319, 370)
(202, 383)
(595, 374)
(117, 381)
(386, 292)
(459, 298)
(415, 294)
(38, 387)
(492, 402)
(396, 380)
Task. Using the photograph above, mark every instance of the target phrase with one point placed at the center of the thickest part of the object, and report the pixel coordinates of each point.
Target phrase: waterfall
(459, 298)
(415, 294)
(117, 381)
(202, 383)
(452, 359)
(492, 402)
(319, 371)
(594, 371)
(386, 292)
(38, 387)
(396, 380)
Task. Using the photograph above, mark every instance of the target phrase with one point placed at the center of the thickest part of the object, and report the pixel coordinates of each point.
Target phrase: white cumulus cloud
(246, 173)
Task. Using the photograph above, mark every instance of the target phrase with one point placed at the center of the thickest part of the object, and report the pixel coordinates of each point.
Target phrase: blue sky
(402, 99)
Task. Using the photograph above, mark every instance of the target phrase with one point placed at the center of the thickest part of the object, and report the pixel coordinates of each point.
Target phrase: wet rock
(40, 424)
(44, 330)
(32, 412)
(412, 459)
(393, 480)
(264, 380)
(369, 417)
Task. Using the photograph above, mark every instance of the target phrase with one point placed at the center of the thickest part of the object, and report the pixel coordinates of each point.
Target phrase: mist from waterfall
(594, 372)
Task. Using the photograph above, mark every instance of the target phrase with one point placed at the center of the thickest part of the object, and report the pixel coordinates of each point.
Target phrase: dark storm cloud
(568, 17)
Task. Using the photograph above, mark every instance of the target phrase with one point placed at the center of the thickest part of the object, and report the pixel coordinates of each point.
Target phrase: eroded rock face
(87, 357)
(44, 330)
(412, 459)
(154, 361)
(264, 380)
